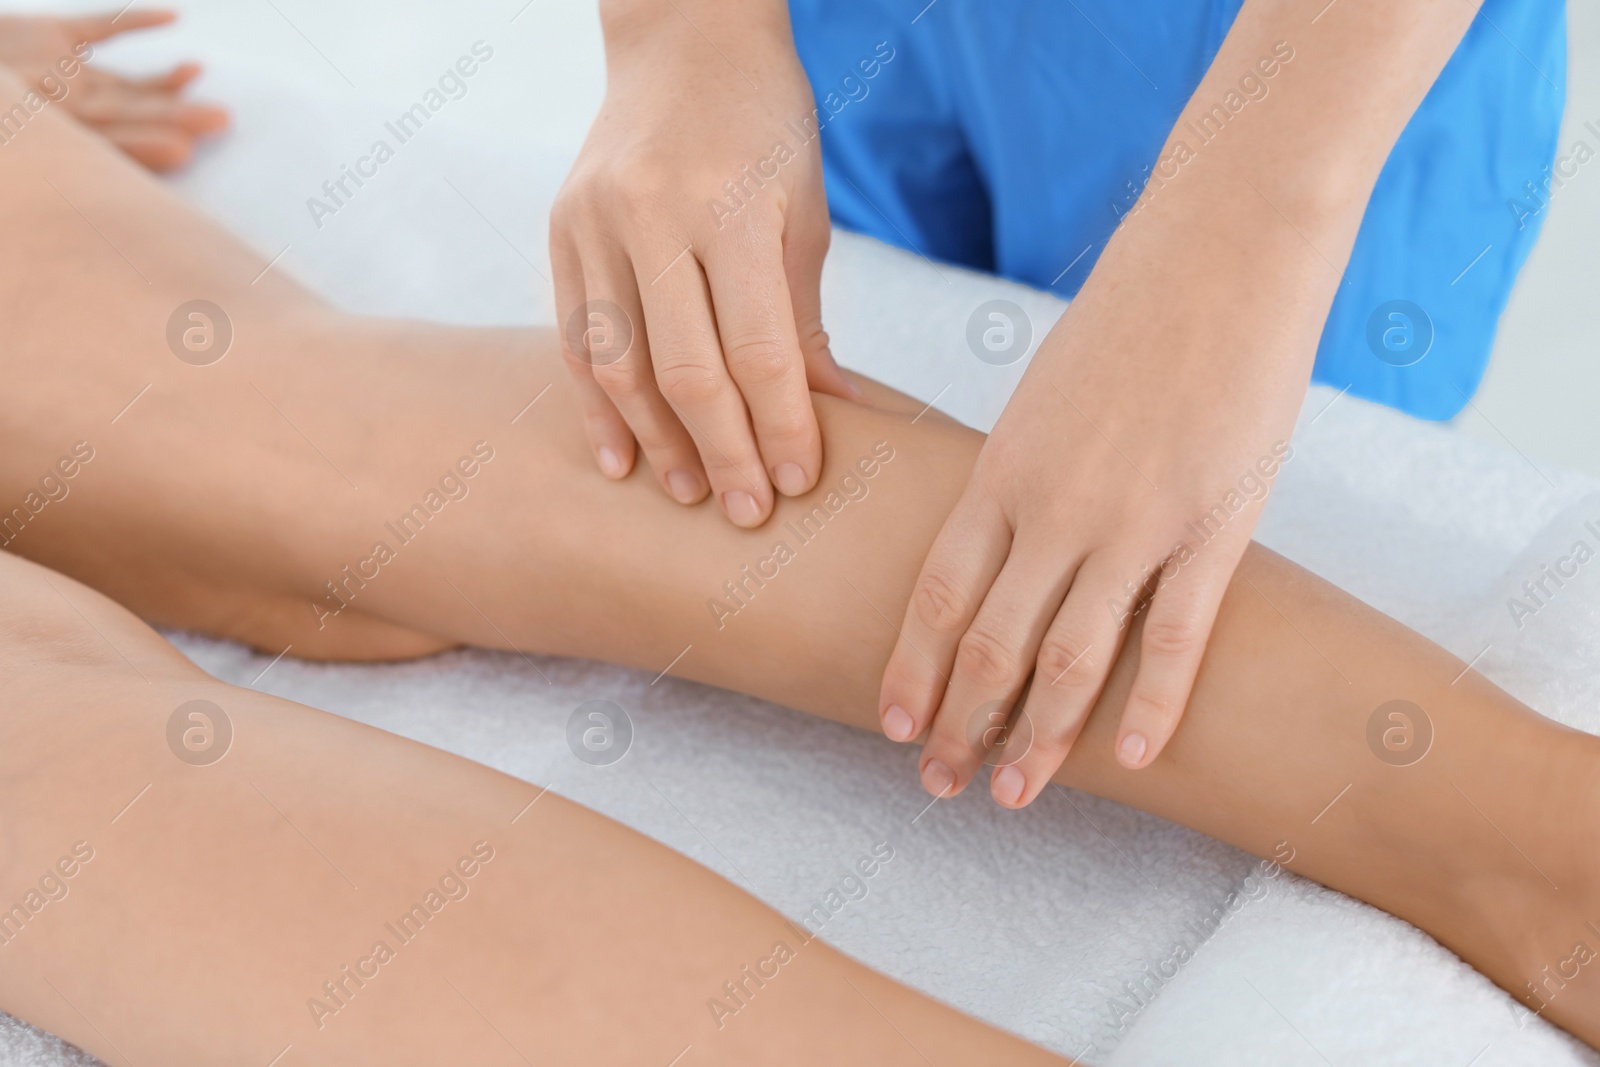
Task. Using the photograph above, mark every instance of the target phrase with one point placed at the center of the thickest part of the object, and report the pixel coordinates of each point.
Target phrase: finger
(993, 659)
(1176, 630)
(628, 378)
(755, 322)
(157, 146)
(966, 555)
(609, 437)
(203, 120)
(691, 374)
(93, 28)
(97, 80)
(805, 249)
(170, 82)
(1075, 659)
(121, 103)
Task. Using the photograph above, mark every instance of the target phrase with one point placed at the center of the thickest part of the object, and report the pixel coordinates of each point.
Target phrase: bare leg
(241, 492)
(364, 899)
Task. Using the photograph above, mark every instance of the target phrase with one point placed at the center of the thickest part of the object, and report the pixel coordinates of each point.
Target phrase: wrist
(1261, 285)
(1198, 318)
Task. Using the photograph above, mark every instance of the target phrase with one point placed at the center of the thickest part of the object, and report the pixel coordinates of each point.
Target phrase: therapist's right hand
(687, 244)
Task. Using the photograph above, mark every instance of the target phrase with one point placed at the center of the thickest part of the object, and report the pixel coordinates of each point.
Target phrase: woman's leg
(328, 893)
(347, 487)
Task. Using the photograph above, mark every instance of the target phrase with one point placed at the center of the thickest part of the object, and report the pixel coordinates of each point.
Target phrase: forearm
(701, 47)
(630, 24)
(1216, 287)
(1311, 101)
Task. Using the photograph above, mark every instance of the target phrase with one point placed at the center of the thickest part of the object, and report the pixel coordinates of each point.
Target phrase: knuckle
(1003, 453)
(575, 207)
(1172, 637)
(564, 211)
(640, 197)
(937, 603)
(786, 445)
(686, 382)
(759, 360)
(1065, 664)
(646, 187)
(987, 660)
(621, 380)
(789, 433)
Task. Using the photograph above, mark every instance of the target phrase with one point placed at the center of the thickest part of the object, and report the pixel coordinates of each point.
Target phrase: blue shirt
(1013, 136)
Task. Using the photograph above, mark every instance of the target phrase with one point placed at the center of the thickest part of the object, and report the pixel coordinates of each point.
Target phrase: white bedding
(1077, 894)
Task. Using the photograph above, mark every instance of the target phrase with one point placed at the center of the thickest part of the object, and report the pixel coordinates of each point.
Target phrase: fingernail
(741, 507)
(1006, 785)
(1131, 750)
(937, 778)
(683, 486)
(897, 723)
(610, 463)
(790, 478)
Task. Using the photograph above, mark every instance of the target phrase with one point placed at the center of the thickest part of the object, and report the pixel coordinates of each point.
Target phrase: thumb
(803, 254)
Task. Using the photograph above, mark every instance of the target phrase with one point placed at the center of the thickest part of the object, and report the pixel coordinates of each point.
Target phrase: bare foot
(144, 117)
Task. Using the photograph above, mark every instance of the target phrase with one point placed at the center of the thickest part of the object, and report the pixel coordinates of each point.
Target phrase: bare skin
(1183, 357)
(214, 904)
(224, 497)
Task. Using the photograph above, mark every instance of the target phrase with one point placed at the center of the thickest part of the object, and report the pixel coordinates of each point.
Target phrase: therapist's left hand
(1143, 412)
(1131, 464)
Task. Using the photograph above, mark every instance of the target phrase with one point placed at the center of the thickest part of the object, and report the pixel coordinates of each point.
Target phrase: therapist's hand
(687, 245)
(1120, 484)
(1130, 464)
(1128, 469)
